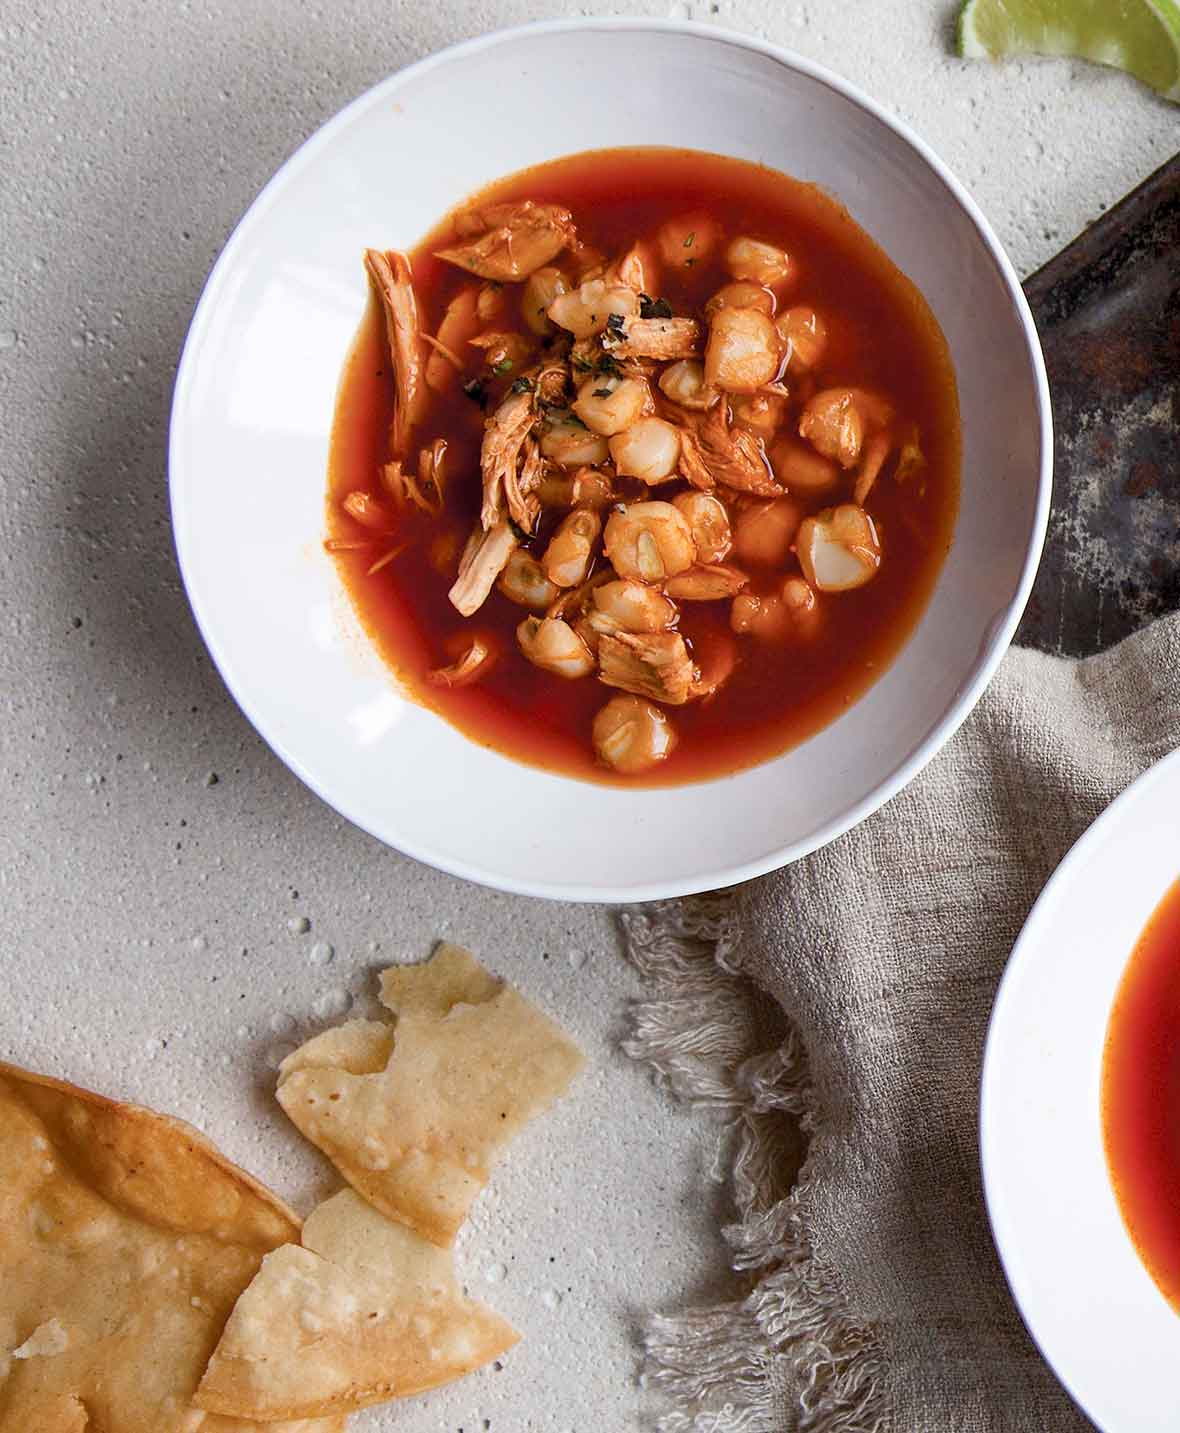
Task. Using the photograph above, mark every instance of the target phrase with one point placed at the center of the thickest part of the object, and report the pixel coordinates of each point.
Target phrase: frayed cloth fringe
(789, 1357)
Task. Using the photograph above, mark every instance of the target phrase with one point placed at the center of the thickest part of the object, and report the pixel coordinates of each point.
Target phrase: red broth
(1141, 1096)
(882, 335)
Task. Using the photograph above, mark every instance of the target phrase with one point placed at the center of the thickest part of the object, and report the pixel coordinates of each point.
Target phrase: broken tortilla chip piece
(125, 1239)
(471, 1062)
(365, 1311)
(202, 1422)
(452, 976)
(55, 1415)
(359, 1047)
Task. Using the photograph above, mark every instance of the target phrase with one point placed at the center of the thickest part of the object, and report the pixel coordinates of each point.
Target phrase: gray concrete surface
(155, 858)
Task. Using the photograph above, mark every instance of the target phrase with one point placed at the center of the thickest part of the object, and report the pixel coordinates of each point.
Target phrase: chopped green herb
(522, 385)
(518, 532)
(476, 391)
(654, 308)
(504, 366)
(688, 242)
(582, 366)
(615, 325)
(601, 393)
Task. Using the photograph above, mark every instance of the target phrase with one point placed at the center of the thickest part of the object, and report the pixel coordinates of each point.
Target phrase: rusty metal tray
(1108, 311)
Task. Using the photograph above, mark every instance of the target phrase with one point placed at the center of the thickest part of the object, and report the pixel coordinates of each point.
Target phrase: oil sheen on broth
(1141, 1096)
(817, 384)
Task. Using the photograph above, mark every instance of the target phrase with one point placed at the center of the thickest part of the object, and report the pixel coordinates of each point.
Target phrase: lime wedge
(1139, 36)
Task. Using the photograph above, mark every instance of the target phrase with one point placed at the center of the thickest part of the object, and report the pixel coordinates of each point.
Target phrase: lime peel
(1139, 36)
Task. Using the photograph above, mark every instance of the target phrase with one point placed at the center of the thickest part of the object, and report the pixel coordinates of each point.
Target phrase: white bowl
(1099, 1319)
(254, 401)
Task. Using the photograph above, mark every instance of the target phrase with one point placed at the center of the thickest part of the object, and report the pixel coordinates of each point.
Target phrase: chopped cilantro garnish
(518, 532)
(601, 393)
(522, 385)
(654, 308)
(476, 391)
(504, 366)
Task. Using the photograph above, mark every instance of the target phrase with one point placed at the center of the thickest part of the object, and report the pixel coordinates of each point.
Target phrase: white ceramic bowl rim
(998, 638)
(1108, 1243)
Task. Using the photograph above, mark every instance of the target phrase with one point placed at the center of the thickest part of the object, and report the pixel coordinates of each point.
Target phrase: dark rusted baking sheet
(1108, 311)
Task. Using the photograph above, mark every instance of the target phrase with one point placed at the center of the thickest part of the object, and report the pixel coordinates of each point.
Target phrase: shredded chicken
(736, 456)
(432, 475)
(503, 445)
(504, 352)
(692, 461)
(713, 452)
(586, 356)
(872, 461)
(514, 239)
(365, 509)
(661, 338)
(469, 668)
(636, 268)
(390, 273)
(650, 664)
(910, 460)
(520, 488)
(385, 559)
(484, 558)
(427, 492)
(551, 383)
(577, 599)
(458, 325)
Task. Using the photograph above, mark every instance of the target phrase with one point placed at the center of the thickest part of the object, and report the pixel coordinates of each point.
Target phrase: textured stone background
(156, 862)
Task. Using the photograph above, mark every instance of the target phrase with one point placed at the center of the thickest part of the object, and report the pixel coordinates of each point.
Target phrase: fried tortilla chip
(202, 1422)
(56, 1415)
(125, 1239)
(471, 1063)
(365, 1311)
(452, 976)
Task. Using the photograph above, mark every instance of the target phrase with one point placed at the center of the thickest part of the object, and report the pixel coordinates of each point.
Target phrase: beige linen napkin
(875, 1301)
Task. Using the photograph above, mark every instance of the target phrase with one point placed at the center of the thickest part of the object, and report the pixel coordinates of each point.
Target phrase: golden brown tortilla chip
(215, 1423)
(365, 1311)
(125, 1239)
(472, 1062)
(56, 1415)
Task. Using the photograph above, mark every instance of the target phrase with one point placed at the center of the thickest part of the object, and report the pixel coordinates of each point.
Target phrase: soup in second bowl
(1141, 1096)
